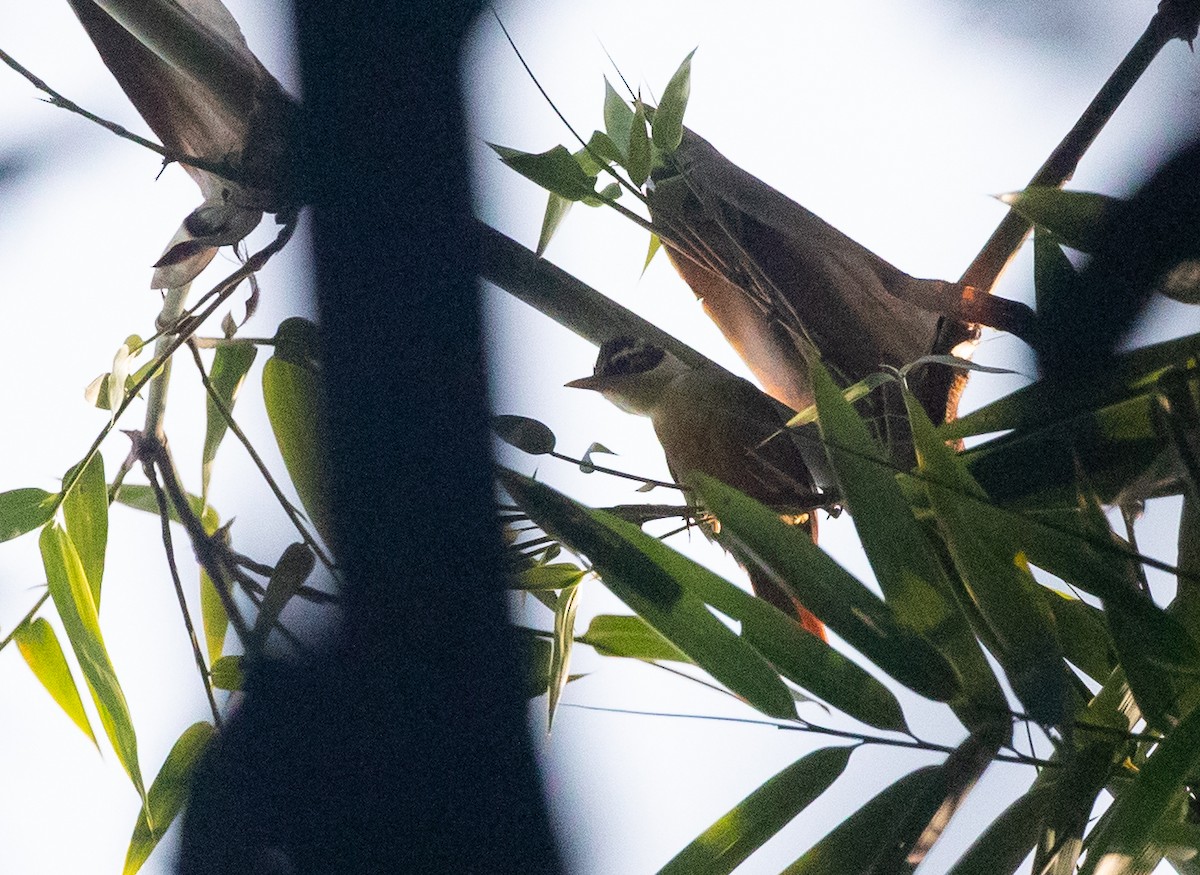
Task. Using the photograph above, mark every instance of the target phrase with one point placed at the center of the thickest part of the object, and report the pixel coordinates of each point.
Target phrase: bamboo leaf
(618, 118)
(1127, 841)
(291, 571)
(1083, 634)
(555, 170)
(861, 389)
(85, 511)
(631, 637)
(913, 581)
(557, 208)
(1003, 590)
(636, 575)
(651, 251)
(72, 597)
(853, 847)
(292, 395)
(40, 648)
(226, 673)
(670, 591)
(1053, 273)
(229, 367)
(639, 147)
(829, 591)
(557, 575)
(1074, 217)
(747, 826)
(560, 654)
(23, 510)
(668, 117)
(167, 794)
(527, 435)
(1007, 841)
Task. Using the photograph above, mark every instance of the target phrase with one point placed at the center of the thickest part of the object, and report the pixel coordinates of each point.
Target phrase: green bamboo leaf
(1074, 217)
(216, 620)
(618, 119)
(639, 147)
(1053, 273)
(861, 389)
(631, 637)
(853, 846)
(560, 654)
(851, 610)
(167, 794)
(291, 571)
(669, 591)
(651, 251)
(743, 829)
(40, 648)
(557, 208)
(292, 395)
(619, 552)
(1127, 841)
(1083, 634)
(72, 597)
(1004, 592)
(226, 673)
(601, 151)
(556, 575)
(911, 576)
(668, 117)
(23, 510)
(555, 170)
(527, 435)
(229, 367)
(85, 512)
(1007, 841)
(141, 497)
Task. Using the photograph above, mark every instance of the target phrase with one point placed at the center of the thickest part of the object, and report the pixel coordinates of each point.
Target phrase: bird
(716, 423)
(782, 285)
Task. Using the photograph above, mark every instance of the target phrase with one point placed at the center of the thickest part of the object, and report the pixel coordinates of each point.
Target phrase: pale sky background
(893, 120)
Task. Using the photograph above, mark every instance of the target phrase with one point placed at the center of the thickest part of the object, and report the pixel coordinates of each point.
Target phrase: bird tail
(767, 589)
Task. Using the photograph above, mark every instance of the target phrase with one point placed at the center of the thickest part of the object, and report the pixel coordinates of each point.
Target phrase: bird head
(632, 374)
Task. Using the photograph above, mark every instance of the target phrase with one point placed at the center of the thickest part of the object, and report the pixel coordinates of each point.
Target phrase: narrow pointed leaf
(618, 118)
(555, 170)
(72, 598)
(639, 147)
(1053, 273)
(829, 591)
(560, 654)
(23, 510)
(85, 511)
(748, 825)
(557, 208)
(40, 648)
(668, 590)
(1127, 841)
(913, 581)
(557, 575)
(853, 847)
(619, 552)
(631, 637)
(229, 367)
(291, 571)
(1083, 634)
(1074, 217)
(861, 389)
(668, 117)
(1004, 592)
(167, 794)
(1007, 841)
(292, 395)
(216, 620)
(651, 250)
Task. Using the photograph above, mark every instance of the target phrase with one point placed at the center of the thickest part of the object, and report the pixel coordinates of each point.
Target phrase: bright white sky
(892, 120)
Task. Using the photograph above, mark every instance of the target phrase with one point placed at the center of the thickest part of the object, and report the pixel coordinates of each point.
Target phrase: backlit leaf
(743, 830)
(40, 648)
(527, 435)
(292, 395)
(23, 510)
(668, 117)
(85, 511)
(555, 170)
(632, 637)
(229, 367)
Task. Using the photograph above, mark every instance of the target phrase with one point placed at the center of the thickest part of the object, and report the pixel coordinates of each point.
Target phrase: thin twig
(291, 512)
(164, 515)
(219, 168)
(805, 726)
(665, 484)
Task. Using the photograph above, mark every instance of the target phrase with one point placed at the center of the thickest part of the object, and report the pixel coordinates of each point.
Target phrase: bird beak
(596, 383)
